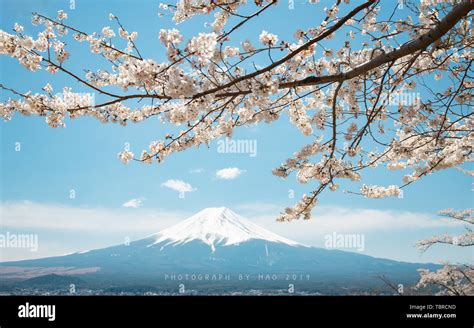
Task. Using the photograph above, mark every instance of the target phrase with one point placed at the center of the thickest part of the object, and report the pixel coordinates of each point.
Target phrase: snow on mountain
(217, 226)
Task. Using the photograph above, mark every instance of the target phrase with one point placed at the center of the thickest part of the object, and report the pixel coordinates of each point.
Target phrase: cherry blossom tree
(454, 280)
(211, 84)
(451, 279)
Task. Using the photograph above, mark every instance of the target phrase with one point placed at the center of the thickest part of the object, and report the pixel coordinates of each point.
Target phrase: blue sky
(83, 157)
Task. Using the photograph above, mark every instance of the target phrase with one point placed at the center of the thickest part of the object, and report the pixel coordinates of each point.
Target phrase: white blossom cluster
(465, 239)
(125, 156)
(203, 45)
(54, 107)
(268, 39)
(380, 191)
(453, 280)
(185, 9)
(463, 215)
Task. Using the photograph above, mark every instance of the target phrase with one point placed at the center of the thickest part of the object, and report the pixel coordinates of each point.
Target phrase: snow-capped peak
(217, 225)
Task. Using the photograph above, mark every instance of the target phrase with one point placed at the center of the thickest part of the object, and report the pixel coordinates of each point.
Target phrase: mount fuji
(217, 226)
(217, 241)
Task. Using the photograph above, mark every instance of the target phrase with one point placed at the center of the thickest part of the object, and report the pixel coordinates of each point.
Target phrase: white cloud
(64, 229)
(178, 185)
(31, 215)
(326, 219)
(229, 173)
(133, 203)
(196, 171)
(329, 219)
